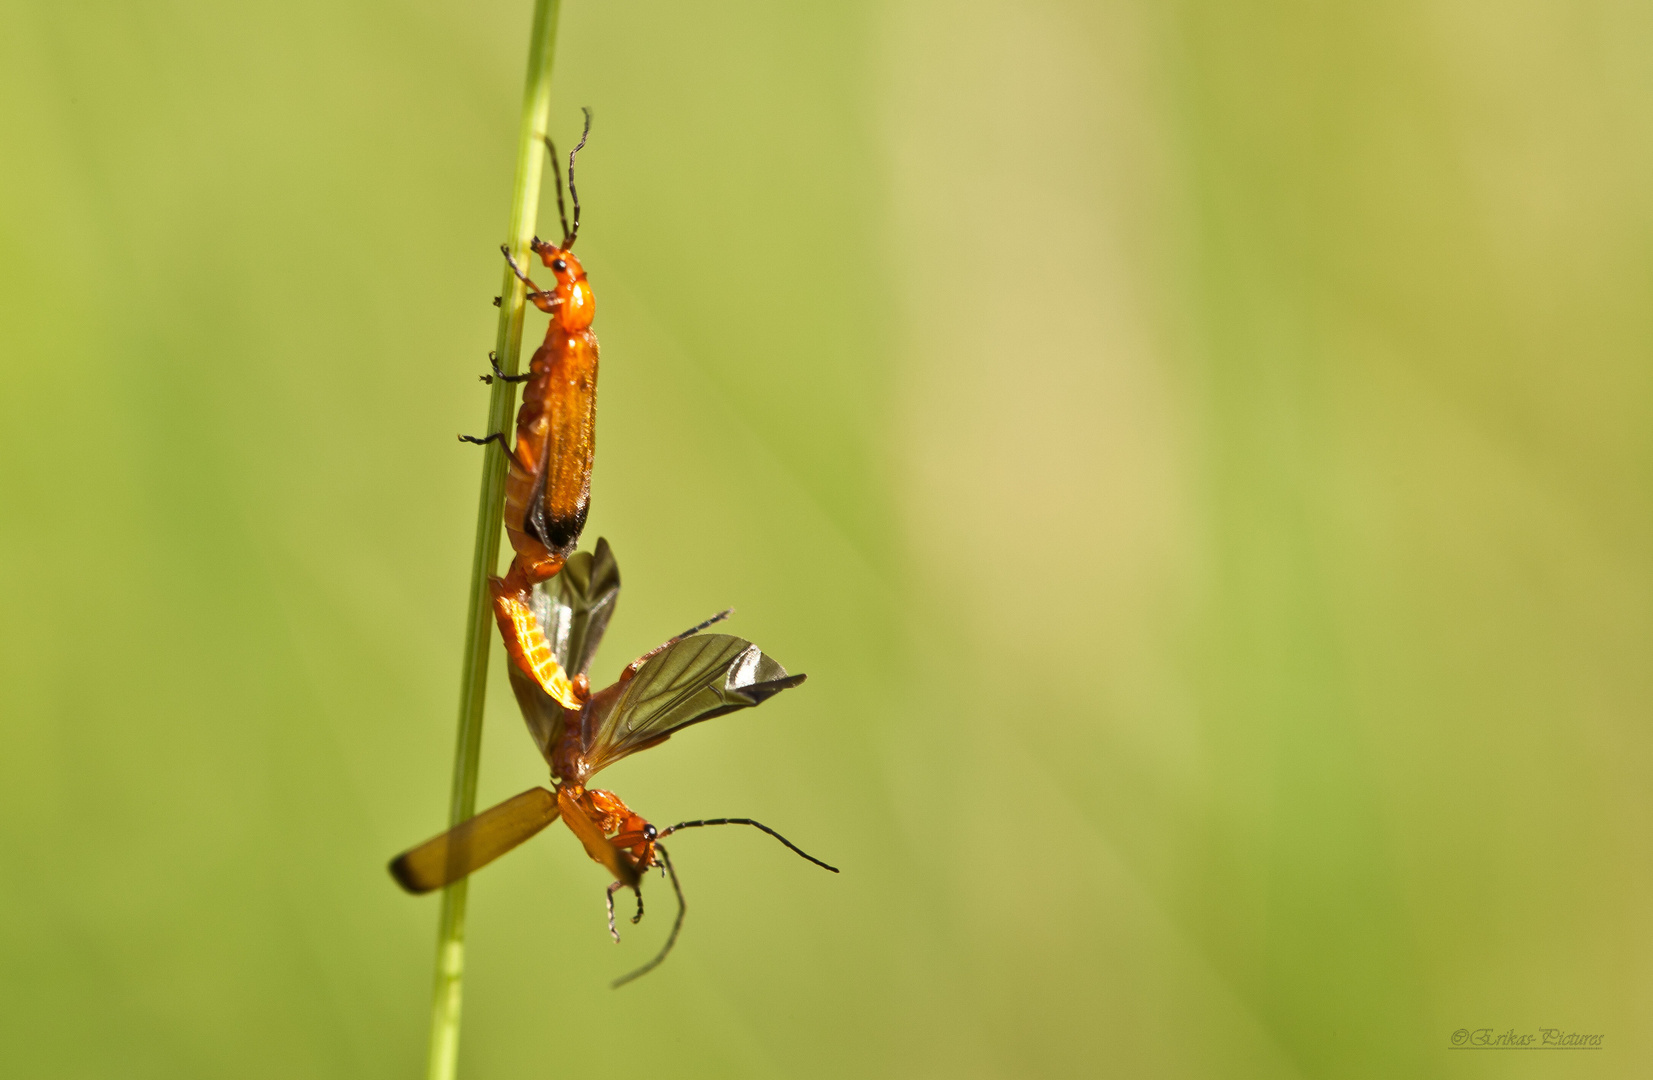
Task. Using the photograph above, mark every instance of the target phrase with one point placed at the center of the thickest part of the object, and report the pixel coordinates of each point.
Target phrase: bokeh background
(1199, 452)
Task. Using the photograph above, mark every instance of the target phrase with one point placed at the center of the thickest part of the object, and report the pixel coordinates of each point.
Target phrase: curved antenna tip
(760, 826)
(677, 925)
(572, 234)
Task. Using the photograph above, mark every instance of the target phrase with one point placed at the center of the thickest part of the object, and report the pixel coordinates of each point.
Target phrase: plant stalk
(525, 198)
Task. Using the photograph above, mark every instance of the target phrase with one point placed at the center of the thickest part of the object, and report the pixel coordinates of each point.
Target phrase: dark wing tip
(401, 869)
(762, 691)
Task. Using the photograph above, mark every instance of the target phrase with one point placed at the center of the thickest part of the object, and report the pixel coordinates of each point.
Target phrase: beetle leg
(682, 910)
(496, 437)
(612, 889)
(493, 362)
(545, 301)
(517, 270)
(538, 296)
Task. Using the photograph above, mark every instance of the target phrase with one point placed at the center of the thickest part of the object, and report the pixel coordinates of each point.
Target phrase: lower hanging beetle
(690, 678)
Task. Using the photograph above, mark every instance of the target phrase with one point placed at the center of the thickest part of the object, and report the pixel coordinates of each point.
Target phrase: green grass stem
(525, 197)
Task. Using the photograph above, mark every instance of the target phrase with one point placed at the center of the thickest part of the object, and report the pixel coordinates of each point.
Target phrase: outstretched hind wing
(691, 680)
(573, 610)
(574, 607)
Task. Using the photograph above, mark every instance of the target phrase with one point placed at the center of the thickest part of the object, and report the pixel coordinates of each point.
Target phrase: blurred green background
(1199, 452)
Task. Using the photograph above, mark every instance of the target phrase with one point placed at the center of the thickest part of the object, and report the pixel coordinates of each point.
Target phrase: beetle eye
(649, 833)
(559, 265)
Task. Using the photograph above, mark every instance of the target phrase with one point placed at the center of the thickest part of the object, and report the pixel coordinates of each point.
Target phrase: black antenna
(698, 627)
(682, 909)
(636, 664)
(568, 240)
(556, 174)
(756, 825)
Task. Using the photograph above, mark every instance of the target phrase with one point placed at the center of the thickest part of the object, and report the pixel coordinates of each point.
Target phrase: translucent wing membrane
(540, 711)
(473, 844)
(573, 610)
(574, 607)
(691, 680)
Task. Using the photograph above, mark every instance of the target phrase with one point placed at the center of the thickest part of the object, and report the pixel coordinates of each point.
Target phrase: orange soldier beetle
(691, 678)
(548, 486)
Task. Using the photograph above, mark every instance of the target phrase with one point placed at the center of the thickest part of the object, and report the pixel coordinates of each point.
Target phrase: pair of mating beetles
(553, 606)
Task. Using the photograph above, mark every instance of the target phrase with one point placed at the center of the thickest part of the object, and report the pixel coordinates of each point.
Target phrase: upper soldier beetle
(548, 487)
(690, 678)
